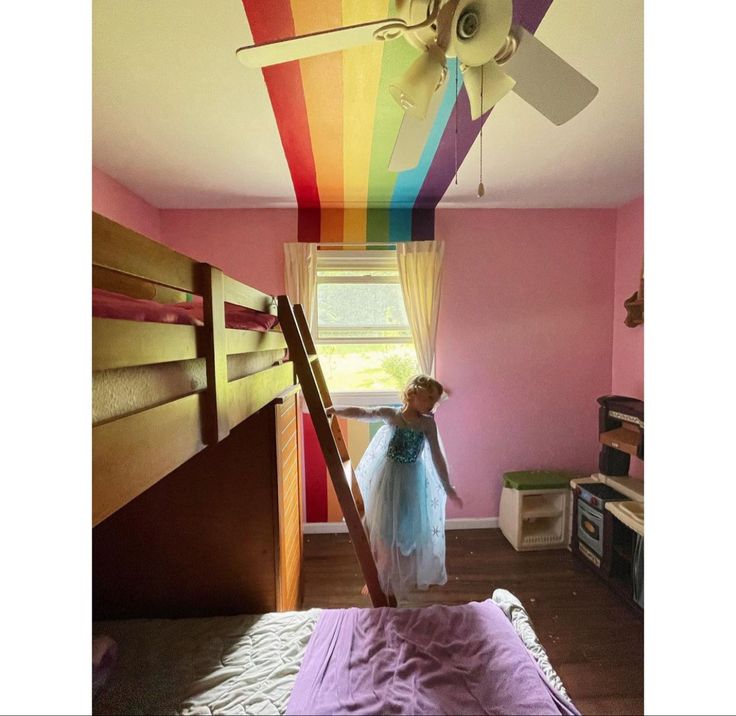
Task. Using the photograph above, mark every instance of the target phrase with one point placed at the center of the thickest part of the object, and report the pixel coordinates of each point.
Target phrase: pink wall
(524, 343)
(116, 202)
(628, 343)
(247, 244)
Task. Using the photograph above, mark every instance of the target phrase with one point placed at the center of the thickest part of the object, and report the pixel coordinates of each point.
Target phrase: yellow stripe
(359, 436)
(354, 225)
(361, 72)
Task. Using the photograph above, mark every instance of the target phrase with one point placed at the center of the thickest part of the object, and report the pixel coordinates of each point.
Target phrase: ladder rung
(313, 357)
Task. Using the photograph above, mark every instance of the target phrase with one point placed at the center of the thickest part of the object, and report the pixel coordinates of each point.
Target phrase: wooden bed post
(306, 363)
(216, 425)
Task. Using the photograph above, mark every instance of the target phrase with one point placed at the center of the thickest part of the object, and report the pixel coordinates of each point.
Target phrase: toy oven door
(590, 527)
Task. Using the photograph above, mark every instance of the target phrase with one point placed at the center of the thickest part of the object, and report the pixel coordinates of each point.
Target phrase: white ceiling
(180, 122)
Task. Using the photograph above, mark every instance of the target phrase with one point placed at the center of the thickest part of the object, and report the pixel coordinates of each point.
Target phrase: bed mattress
(232, 665)
(123, 391)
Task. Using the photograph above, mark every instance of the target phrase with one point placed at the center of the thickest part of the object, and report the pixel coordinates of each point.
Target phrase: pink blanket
(107, 304)
(463, 659)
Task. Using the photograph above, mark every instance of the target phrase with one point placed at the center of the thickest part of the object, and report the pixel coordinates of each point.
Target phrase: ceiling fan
(495, 58)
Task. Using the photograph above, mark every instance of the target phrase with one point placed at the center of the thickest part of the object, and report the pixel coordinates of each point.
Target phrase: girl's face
(423, 400)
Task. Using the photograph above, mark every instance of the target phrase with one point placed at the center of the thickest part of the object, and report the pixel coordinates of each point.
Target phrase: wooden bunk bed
(197, 505)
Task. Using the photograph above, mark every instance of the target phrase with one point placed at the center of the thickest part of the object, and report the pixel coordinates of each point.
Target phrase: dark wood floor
(594, 641)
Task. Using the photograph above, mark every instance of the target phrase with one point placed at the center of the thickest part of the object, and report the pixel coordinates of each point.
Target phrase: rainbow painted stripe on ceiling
(338, 124)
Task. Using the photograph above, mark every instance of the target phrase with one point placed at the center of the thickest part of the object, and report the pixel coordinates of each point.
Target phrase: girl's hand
(454, 497)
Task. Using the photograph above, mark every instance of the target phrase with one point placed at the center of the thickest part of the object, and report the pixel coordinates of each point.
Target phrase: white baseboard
(321, 528)
(460, 523)
(472, 523)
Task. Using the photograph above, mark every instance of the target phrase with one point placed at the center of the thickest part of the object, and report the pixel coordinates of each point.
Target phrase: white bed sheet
(223, 665)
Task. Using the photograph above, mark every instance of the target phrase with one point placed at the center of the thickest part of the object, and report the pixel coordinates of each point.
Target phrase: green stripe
(377, 225)
(397, 56)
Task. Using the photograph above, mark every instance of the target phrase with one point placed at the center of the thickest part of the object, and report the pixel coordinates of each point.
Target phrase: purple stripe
(422, 224)
(528, 14)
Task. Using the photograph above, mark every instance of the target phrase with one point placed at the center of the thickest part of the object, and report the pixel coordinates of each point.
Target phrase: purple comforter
(435, 660)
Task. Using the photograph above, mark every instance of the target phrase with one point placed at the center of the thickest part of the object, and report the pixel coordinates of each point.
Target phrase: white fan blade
(546, 81)
(317, 43)
(495, 84)
(413, 135)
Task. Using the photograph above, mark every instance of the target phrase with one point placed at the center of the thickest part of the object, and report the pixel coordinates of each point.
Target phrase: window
(361, 329)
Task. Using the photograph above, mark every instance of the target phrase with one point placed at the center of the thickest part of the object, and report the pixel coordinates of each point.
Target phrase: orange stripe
(334, 513)
(323, 94)
(332, 225)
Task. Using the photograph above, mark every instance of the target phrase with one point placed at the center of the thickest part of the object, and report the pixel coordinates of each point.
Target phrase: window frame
(377, 260)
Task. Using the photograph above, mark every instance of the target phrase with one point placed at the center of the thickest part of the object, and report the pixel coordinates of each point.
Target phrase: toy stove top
(596, 494)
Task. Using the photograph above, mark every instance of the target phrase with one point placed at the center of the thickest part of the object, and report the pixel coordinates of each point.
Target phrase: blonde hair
(417, 383)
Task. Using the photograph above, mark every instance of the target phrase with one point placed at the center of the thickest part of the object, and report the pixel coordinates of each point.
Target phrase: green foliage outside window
(367, 366)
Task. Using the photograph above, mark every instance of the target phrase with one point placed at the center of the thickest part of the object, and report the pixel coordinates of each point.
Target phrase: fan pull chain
(456, 71)
(481, 188)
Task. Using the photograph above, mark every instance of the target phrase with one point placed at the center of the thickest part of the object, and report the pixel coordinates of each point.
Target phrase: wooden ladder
(309, 371)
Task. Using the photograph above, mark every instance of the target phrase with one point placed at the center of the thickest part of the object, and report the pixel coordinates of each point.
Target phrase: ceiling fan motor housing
(480, 29)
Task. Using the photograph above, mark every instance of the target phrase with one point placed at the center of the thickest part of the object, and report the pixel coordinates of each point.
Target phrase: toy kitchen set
(608, 507)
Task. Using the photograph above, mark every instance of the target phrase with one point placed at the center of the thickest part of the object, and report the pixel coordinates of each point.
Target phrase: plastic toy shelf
(533, 515)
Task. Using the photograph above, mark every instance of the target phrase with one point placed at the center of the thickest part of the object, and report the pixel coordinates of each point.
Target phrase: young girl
(404, 482)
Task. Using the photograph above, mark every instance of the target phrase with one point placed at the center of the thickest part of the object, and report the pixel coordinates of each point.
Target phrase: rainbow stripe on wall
(338, 124)
(321, 500)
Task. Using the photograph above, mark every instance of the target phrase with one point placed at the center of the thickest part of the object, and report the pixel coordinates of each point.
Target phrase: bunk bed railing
(126, 252)
(132, 452)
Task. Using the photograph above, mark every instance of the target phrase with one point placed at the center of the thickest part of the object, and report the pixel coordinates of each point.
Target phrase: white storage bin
(536, 519)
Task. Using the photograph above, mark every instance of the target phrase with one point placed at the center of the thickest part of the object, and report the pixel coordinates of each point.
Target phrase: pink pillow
(107, 304)
(240, 317)
(235, 316)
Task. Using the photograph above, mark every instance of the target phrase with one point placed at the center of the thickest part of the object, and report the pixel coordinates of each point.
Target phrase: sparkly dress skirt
(404, 510)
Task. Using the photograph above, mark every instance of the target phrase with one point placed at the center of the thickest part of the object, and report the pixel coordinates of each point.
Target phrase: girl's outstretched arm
(438, 458)
(367, 414)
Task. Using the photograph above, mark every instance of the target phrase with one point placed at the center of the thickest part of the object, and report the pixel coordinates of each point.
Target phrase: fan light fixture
(414, 90)
(493, 82)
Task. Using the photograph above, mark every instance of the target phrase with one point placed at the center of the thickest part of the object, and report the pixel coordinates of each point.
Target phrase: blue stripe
(409, 183)
(399, 227)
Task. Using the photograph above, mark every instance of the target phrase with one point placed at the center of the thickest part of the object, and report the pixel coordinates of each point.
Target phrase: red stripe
(273, 21)
(309, 225)
(315, 474)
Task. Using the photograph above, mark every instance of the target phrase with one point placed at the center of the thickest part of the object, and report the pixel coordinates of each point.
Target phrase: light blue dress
(404, 506)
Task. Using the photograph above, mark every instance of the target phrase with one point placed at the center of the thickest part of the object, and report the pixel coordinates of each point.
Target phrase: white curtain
(300, 274)
(420, 271)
